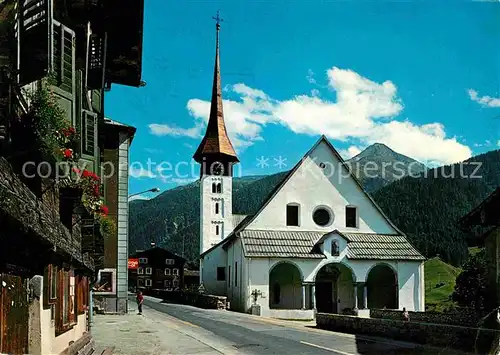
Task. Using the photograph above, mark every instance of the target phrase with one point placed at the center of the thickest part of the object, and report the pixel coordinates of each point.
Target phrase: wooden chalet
(56, 60)
(483, 222)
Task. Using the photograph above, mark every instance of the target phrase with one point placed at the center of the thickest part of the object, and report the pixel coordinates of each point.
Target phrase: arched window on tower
(214, 187)
(217, 230)
(219, 188)
(217, 208)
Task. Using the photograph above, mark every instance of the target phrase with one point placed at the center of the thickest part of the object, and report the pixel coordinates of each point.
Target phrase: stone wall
(441, 335)
(191, 298)
(463, 317)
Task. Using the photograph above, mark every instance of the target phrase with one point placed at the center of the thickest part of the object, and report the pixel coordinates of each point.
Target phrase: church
(318, 243)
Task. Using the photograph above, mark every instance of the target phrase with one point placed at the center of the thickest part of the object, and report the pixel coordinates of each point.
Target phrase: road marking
(183, 321)
(325, 348)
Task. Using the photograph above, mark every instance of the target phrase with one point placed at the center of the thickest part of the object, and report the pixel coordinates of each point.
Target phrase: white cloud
(139, 197)
(167, 130)
(364, 111)
(498, 143)
(140, 172)
(349, 152)
(486, 101)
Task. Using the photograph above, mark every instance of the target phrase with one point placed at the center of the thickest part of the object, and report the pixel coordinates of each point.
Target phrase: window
(276, 293)
(169, 261)
(140, 271)
(221, 274)
(167, 272)
(229, 275)
(143, 260)
(235, 274)
(217, 208)
(148, 282)
(217, 230)
(292, 215)
(140, 283)
(176, 272)
(167, 284)
(214, 187)
(335, 248)
(219, 188)
(351, 217)
(176, 283)
(149, 271)
(322, 217)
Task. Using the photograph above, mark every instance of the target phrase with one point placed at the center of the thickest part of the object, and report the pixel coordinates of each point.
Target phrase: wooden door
(14, 316)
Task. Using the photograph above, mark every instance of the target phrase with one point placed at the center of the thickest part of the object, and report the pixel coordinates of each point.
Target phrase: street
(179, 329)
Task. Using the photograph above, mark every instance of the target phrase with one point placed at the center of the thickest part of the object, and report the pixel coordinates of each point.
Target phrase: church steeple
(216, 145)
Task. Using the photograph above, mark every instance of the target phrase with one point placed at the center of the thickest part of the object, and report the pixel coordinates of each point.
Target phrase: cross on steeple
(218, 20)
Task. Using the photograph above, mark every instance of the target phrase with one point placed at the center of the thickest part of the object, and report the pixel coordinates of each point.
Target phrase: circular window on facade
(322, 216)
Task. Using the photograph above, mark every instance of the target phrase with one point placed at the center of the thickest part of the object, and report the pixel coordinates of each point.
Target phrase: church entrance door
(334, 288)
(324, 297)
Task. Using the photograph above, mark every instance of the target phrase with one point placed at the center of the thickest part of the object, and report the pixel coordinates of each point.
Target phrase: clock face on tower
(217, 168)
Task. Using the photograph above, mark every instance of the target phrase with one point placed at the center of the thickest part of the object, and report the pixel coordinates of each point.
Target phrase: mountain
(427, 208)
(424, 207)
(378, 165)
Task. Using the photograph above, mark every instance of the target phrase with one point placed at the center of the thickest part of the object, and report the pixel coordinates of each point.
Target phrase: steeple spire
(216, 143)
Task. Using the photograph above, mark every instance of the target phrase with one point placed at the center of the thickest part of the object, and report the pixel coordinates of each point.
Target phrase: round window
(322, 216)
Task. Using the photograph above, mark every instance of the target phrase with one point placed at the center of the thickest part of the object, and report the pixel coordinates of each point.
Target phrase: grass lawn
(439, 283)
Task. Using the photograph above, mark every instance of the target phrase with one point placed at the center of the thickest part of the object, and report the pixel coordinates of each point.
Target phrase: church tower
(217, 157)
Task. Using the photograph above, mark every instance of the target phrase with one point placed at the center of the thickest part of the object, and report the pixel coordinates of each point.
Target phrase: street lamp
(154, 189)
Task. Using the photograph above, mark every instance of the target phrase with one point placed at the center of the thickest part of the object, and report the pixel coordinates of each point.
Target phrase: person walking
(406, 315)
(140, 300)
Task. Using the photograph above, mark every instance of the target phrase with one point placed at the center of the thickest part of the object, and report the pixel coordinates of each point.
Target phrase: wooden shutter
(89, 133)
(63, 65)
(33, 32)
(96, 61)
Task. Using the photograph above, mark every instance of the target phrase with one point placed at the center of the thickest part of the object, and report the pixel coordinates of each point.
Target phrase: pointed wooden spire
(216, 141)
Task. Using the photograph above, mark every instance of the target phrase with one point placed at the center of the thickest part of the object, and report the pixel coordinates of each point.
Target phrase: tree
(471, 288)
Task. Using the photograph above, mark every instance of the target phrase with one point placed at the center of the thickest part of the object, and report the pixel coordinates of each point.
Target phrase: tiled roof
(300, 244)
(280, 244)
(380, 246)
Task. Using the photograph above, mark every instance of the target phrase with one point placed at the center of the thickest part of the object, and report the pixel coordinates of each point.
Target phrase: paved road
(235, 333)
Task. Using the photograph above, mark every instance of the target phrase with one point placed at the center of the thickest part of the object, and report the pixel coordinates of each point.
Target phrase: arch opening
(382, 287)
(335, 289)
(285, 287)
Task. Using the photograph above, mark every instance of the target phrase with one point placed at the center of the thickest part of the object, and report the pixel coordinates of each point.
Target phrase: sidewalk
(153, 333)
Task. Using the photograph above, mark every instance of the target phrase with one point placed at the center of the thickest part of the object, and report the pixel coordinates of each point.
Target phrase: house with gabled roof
(318, 242)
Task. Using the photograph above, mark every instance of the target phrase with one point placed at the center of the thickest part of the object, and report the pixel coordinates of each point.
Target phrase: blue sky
(421, 77)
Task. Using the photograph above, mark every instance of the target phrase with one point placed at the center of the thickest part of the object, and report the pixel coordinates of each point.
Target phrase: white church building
(318, 243)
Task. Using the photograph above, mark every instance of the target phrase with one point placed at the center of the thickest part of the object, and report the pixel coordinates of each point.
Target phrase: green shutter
(33, 29)
(89, 133)
(89, 139)
(63, 66)
(97, 100)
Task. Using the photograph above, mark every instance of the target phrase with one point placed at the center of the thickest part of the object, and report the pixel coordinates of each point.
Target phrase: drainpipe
(91, 309)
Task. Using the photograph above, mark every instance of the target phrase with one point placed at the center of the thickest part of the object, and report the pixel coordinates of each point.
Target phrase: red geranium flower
(68, 153)
(104, 210)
